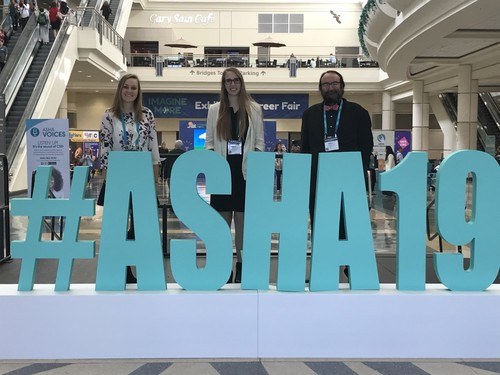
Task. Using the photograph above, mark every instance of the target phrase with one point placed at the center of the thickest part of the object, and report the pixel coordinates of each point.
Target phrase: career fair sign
(48, 144)
(195, 106)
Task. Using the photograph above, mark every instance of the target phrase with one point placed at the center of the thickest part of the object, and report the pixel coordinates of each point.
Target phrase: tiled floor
(251, 367)
(384, 236)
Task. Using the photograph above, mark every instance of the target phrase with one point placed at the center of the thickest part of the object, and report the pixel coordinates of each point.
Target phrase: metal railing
(99, 23)
(245, 61)
(4, 208)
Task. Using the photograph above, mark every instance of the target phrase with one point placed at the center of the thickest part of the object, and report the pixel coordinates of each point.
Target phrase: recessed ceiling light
(96, 90)
(89, 76)
(79, 71)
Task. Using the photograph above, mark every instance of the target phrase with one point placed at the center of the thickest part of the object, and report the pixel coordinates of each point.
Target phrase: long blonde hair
(244, 102)
(117, 107)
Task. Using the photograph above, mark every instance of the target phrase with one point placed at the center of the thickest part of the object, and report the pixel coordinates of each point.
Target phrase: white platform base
(232, 323)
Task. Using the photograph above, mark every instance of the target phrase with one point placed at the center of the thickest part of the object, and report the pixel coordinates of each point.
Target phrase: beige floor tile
(115, 368)
(287, 368)
(190, 368)
(447, 368)
(361, 368)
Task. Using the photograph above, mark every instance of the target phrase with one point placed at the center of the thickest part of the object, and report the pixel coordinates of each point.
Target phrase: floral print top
(139, 136)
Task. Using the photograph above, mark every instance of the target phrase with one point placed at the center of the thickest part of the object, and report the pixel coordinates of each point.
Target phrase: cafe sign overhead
(177, 18)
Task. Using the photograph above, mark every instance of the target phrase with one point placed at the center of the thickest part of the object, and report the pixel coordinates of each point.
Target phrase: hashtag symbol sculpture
(68, 248)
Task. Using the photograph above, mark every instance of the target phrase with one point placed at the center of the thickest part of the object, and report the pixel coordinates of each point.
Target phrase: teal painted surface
(202, 219)
(40, 206)
(481, 231)
(130, 174)
(409, 181)
(340, 176)
(287, 217)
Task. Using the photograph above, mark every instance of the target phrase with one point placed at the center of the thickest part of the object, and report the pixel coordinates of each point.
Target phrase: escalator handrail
(14, 71)
(492, 107)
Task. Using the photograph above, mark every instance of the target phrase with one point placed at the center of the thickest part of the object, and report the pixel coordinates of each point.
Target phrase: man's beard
(332, 97)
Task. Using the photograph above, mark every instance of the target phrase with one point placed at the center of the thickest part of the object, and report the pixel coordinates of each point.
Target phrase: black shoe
(237, 278)
(230, 280)
(131, 279)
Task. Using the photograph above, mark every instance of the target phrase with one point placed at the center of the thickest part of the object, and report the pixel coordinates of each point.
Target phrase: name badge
(331, 144)
(234, 147)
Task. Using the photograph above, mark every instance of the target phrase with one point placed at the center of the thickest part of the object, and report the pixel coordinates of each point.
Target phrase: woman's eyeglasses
(228, 81)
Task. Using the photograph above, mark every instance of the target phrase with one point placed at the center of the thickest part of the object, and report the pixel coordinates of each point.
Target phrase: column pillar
(388, 112)
(63, 107)
(466, 109)
(420, 118)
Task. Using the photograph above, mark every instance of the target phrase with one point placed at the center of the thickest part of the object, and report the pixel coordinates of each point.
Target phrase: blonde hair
(117, 107)
(223, 128)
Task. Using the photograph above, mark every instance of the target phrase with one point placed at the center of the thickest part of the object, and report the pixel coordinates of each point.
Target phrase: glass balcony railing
(245, 61)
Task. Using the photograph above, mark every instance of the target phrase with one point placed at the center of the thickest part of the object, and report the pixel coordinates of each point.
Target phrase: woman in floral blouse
(127, 125)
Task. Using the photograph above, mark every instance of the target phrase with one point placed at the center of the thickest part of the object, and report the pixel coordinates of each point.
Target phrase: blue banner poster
(48, 144)
(402, 138)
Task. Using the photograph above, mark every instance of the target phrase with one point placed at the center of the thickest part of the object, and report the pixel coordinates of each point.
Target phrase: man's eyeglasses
(325, 85)
(236, 81)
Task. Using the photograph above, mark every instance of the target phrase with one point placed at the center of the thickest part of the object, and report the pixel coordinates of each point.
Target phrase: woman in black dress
(235, 126)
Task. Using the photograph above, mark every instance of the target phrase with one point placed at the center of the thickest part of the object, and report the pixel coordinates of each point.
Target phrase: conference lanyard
(124, 134)
(336, 122)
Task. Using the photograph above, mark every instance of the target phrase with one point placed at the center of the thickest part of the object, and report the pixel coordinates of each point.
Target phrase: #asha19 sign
(340, 177)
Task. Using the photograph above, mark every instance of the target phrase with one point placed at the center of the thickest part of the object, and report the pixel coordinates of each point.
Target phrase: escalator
(488, 128)
(13, 119)
(23, 79)
(114, 10)
(89, 12)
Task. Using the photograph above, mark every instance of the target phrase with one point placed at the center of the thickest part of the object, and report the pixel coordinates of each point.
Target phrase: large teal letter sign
(481, 231)
(194, 212)
(340, 176)
(130, 174)
(409, 181)
(264, 216)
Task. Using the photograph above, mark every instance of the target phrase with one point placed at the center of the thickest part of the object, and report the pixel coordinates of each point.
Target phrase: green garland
(371, 6)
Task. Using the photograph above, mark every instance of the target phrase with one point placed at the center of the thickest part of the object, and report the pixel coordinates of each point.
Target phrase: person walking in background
(64, 9)
(24, 9)
(55, 18)
(292, 65)
(106, 10)
(333, 60)
(128, 126)
(279, 150)
(172, 157)
(163, 151)
(235, 126)
(42, 18)
(399, 155)
(14, 14)
(390, 158)
(4, 53)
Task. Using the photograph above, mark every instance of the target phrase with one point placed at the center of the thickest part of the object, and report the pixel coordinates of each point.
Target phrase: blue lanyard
(124, 133)
(336, 122)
